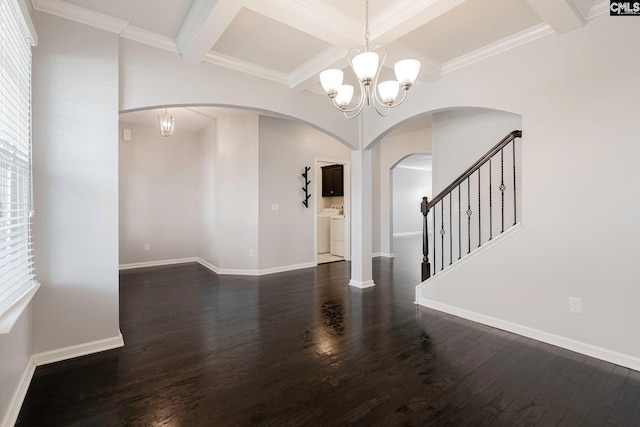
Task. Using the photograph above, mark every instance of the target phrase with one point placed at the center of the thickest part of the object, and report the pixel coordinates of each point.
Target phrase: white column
(361, 218)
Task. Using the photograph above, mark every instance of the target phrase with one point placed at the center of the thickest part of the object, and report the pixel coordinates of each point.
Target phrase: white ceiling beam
(402, 17)
(561, 15)
(202, 28)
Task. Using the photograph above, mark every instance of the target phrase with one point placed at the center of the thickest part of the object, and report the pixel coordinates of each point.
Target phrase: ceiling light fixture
(367, 66)
(166, 124)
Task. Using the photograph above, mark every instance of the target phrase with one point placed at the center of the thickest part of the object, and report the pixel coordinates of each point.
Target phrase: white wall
(286, 147)
(409, 187)
(578, 98)
(208, 240)
(159, 196)
(75, 159)
(236, 182)
(393, 148)
(153, 77)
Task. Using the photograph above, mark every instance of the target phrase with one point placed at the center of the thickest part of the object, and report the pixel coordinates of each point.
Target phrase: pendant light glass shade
(407, 71)
(166, 124)
(331, 81)
(389, 91)
(345, 93)
(365, 65)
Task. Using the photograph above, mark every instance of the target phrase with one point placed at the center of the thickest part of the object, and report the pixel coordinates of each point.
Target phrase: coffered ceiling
(292, 41)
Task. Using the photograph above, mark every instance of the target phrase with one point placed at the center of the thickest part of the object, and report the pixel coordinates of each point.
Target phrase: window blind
(16, 263)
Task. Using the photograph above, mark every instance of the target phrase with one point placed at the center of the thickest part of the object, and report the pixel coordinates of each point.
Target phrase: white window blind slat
(16, 262)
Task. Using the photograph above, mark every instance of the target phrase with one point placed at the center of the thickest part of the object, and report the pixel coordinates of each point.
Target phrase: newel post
(426, 267)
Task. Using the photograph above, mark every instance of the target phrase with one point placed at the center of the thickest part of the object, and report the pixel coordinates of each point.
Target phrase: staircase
(479, 205)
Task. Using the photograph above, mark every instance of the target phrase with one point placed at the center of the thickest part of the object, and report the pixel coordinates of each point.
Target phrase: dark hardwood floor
(302, 348)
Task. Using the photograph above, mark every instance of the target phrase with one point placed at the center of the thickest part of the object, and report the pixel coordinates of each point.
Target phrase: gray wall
(287, 235)
(409, 187)
(158, 195)
(75, 162)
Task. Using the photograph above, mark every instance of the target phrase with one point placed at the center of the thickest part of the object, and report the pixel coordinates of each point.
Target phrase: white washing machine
(324, 229)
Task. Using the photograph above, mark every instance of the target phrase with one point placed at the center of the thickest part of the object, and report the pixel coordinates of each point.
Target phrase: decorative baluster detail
(435, 252)
(459, 225)
(479, 212)
(490, 205)
(450, 232)
(515, 209)
(469, 212)
(442, 233)
(502, 187)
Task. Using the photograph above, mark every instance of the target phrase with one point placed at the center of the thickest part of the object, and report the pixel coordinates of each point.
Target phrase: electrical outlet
(575, 305)
(251, 253)
(146, 247)
(275, 206)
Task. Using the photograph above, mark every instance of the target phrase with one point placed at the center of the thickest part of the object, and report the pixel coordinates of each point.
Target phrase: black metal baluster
(479, 212)
(435, 252)
(442, 232)
(502, 187)
(469, 212)
(490, 205)
(459, 225)
(514, 183)
(450, 232)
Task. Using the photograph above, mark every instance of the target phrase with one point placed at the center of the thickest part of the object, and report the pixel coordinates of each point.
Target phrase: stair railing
(459, 236)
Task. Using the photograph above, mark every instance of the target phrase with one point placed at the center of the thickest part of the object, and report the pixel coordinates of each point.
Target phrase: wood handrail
(466, 174)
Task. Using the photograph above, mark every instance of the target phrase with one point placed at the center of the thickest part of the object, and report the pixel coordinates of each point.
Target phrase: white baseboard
(361, 285)
(18, 396)
(408, 233)
(240, 272)
(208, 265)
(157, 263)
(78, 350)
(557, 340)
(286, 268)
(382, 254)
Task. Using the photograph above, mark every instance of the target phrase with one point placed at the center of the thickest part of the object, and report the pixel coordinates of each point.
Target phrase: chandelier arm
(382, 51)
(381, 111)
(404, 96)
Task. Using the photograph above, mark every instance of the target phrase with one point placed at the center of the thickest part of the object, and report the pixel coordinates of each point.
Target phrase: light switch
(275, 207)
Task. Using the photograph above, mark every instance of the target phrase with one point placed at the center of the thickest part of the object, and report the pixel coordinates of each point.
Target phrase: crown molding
(330, 57)
(600, 7)
(152, 39)
(246, 67)
(500, 46)
(80, 14)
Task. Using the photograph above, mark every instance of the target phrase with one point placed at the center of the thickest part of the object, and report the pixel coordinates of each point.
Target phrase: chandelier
(166, 124)
(367, 66)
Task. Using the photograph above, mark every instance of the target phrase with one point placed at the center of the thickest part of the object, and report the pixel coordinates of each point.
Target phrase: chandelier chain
(366, 25)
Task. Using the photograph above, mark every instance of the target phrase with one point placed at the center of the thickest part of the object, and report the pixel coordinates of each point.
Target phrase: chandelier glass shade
(367, 65)
(166, 124)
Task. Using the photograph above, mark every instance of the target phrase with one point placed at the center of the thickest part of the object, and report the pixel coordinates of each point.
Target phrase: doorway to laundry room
(332, 201)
